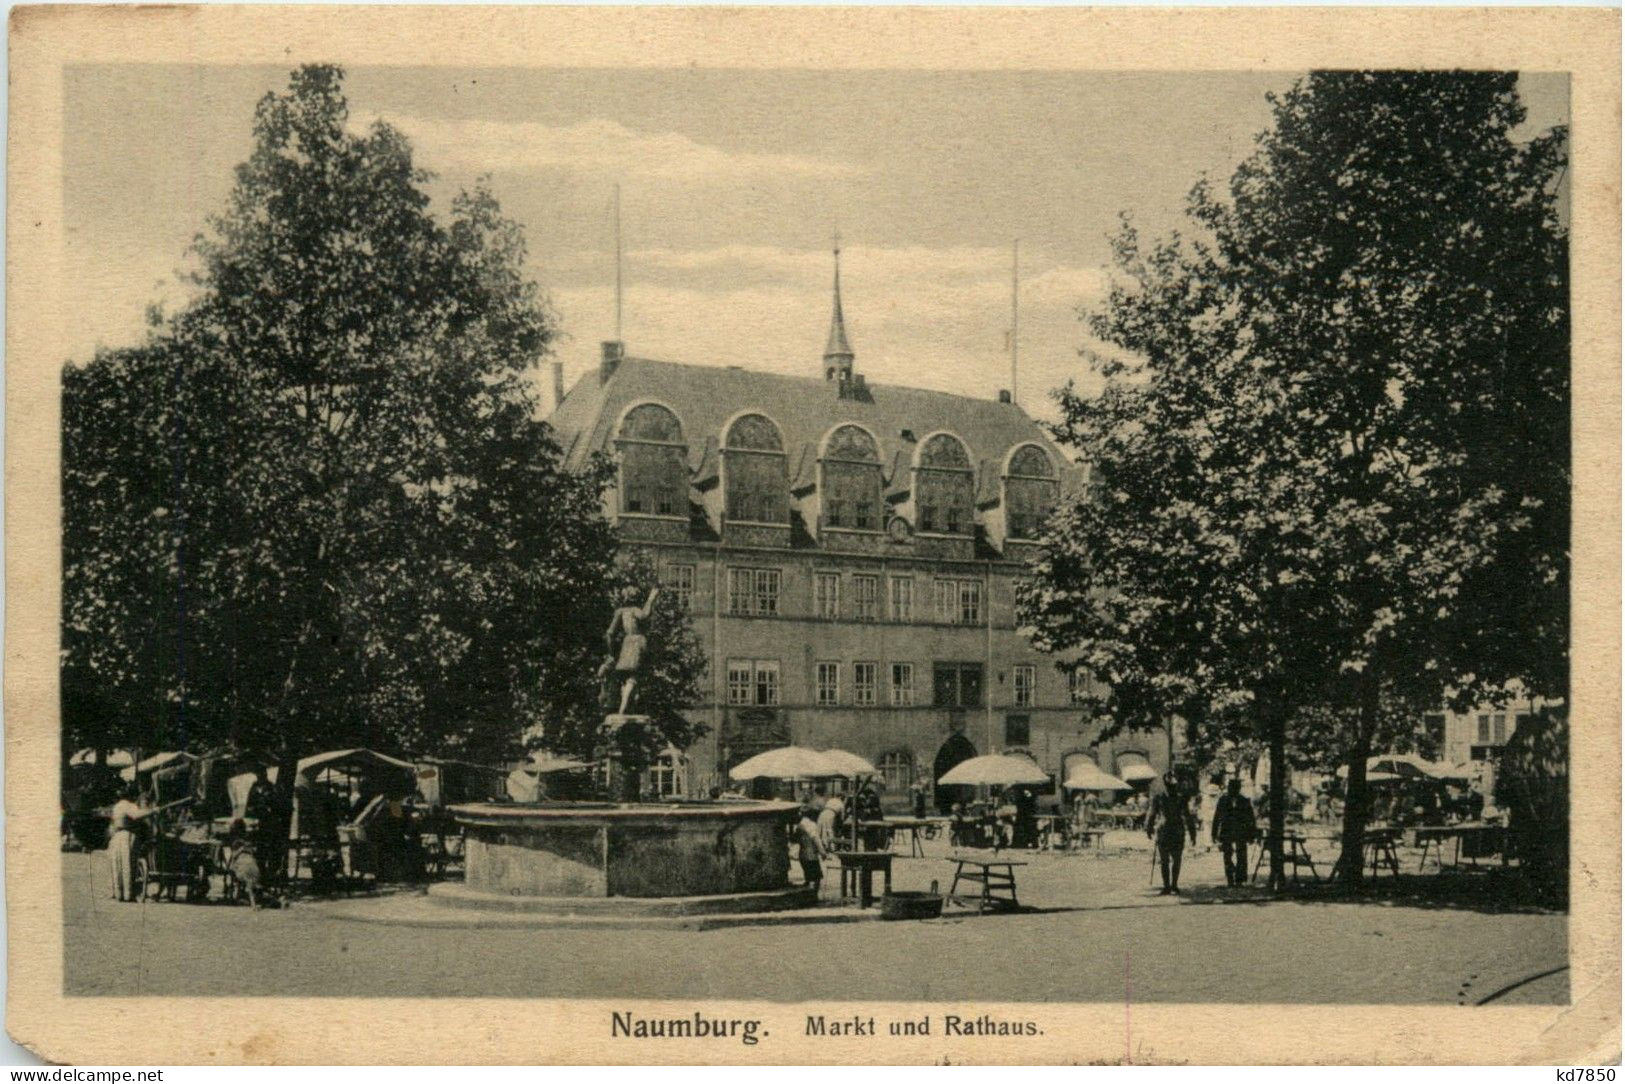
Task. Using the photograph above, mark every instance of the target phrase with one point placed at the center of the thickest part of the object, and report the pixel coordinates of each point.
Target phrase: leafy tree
(1305, 493)
(317, 508)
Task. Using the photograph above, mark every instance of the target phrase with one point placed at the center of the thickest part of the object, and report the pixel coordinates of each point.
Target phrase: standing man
(877, 837)
(1233, 828)
(1169, 822)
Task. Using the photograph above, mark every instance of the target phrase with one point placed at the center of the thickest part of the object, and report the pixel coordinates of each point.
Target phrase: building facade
(1479, 733)
(849, 555)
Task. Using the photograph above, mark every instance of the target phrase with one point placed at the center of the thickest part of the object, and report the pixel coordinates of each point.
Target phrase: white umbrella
(1406, 764)
(787, 762)
(1134, 767)
(118, 758)
(547, 764)
(1087, 775)
(153, 763)
(847, 765)
(994, 770)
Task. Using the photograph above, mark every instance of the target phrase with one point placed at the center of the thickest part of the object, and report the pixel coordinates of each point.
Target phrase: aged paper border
(1584, 42)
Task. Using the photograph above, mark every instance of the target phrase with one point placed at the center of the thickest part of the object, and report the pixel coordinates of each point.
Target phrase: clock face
(897, 529)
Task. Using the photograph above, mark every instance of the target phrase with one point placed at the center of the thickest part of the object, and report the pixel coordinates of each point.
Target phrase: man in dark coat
(1233, 828)
(955, 751)
(869, 812)
(1169, 822)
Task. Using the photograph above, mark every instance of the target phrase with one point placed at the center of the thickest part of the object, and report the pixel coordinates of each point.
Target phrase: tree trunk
(1357, 794)
(1275, 715)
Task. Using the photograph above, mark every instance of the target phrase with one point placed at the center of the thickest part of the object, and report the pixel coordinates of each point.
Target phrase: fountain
(683, 857)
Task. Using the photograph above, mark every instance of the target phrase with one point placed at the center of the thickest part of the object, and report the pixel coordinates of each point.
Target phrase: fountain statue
(625, 661)
(629, 857)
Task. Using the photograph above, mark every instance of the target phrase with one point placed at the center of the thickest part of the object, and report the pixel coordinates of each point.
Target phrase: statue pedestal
(619, 781)
(612, 723)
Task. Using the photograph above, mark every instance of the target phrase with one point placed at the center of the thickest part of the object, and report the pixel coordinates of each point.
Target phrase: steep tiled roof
(705, 397)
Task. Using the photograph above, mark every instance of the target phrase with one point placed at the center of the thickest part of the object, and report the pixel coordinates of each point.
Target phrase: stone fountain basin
(587, 850)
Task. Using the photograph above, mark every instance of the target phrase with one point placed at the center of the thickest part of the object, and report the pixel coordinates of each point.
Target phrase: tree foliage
(1334, 431)
(317, 509)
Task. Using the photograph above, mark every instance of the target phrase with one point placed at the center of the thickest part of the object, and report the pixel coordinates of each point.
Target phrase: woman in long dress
(126, 818)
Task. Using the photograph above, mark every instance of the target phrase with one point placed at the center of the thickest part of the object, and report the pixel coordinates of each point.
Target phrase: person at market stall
(810, 851)
(868, 809)
(829, 823)
(918, 794)
(1168, 823)
(243, 863)
(1024, 825)
(1233, 828)
(128, 813)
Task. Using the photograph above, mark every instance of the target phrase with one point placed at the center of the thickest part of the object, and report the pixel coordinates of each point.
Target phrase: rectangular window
(1023, 679)
(928, 517)
(902, 684)
(753, 591)
(1483, 730)
(678, 582)
(1077, 685)
(829, 683)
(834, 516)
(767, 682)
(741, 681)
(866, 597)
(864, 679)
(956, 684)
(957, 602)
(753, 682)
(861, 519)
(741, 590)
(1498, 733)
(970, 602)
(1017, 729)
(902, 598)
(827, 594)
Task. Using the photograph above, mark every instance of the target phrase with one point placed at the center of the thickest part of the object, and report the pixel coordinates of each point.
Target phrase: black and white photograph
(979, 540)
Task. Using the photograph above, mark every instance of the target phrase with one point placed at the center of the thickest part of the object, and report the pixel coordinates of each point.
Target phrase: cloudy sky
(732, 184)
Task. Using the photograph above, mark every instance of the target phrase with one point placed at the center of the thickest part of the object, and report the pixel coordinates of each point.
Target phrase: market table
(1052, 829)
(899, 825)
(858, 871)
(1084, 839)
(1294, 853)
(1379, 844)
(1482, 839)
(998, 888)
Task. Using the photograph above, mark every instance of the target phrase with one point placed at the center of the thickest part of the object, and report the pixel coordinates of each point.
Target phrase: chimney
(614, 352)
(558, 383)
(1004, 395)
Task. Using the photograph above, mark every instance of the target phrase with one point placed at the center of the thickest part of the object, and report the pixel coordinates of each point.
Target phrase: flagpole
(618, 263)
(1015, 314)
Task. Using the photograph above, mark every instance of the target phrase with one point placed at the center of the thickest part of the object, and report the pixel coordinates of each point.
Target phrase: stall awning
(1086, 775)
(1134, 767)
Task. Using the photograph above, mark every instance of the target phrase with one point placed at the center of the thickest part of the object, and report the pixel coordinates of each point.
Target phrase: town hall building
(848, 553)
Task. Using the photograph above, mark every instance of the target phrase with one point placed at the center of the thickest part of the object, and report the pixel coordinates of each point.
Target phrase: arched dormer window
(944, 487)
(755, 473)
(1031, 489)
(654, 474)
(850, 479)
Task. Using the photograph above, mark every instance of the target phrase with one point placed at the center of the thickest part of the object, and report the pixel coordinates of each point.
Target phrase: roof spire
(838, 354)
